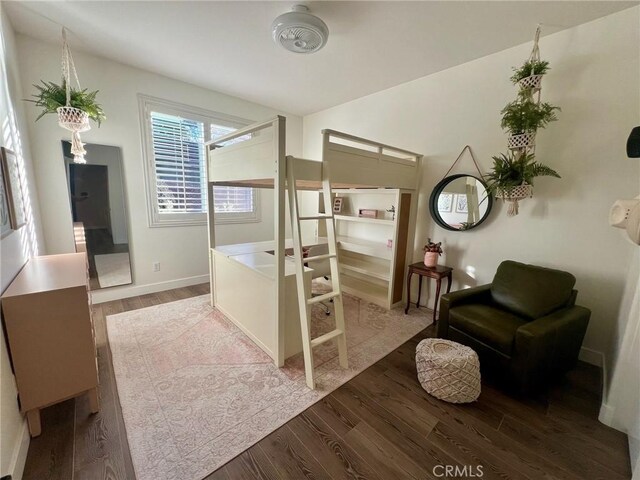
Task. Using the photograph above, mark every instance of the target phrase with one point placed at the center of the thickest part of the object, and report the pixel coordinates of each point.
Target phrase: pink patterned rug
(196, 392)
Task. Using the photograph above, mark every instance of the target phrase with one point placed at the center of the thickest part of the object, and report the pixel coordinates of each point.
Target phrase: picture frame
(337, 204)
(462, 205)
(445, 202)
(5, 222)
(12, 188)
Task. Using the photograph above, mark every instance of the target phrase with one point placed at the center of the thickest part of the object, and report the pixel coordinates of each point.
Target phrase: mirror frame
(433, 202)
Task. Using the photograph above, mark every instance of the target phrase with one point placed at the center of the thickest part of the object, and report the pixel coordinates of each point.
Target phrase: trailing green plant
(524, 115)
(514, 169)
(538, 67)
(51, 96)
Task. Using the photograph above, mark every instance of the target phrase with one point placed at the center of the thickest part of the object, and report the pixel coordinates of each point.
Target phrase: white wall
(594, 78)
(16, 248)
(181, 251)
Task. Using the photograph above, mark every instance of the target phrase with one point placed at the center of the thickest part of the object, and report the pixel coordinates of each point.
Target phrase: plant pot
(431, 259)
(519, 192)
(521, 141)
(533, 82)
(73, 119)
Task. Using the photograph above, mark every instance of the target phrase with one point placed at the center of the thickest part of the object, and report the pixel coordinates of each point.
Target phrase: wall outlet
(155, 266)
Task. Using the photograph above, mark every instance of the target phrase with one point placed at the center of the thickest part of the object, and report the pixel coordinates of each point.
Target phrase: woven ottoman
(448, 371)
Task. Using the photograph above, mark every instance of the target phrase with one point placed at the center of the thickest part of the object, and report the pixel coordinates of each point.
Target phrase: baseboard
(606, 414)
(19, 457)
(592, 357)
(118, 293)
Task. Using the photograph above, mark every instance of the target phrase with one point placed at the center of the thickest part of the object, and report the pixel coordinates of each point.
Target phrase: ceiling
(227, 46)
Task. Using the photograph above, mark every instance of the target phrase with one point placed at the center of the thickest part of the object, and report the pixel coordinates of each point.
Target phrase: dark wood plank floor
(380, 425)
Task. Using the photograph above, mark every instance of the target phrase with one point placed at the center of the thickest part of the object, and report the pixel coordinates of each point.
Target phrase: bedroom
(434, 83)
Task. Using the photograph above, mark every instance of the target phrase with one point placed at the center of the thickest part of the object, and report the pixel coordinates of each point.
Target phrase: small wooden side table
(437, 273)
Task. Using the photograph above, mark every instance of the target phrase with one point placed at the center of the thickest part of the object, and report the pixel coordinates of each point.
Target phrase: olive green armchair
(524, 325)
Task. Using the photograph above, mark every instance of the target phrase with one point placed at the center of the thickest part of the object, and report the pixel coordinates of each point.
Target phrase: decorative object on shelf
(448, 371)
(392, 211)
(431, 253)
(511, 178)
(74, 106)
(469, 194)
(12, 190)
(368, 213)
(337, 204)
(389, 243)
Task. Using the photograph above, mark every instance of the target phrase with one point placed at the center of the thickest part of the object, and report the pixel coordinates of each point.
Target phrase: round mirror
(460, 202)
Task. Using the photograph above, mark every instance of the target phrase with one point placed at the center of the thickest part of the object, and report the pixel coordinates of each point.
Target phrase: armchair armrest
(480, 294)
(549, 345)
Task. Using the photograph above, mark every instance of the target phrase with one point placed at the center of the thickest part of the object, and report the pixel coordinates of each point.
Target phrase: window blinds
(179, 160)
(178, 152)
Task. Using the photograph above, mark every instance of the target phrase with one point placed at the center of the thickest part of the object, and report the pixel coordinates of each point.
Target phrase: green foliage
(515, 169)
(540, 67)
(465, 226)
(524, 115)
(51, 96)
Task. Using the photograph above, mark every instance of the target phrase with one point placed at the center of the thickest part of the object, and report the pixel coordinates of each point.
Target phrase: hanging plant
(512, 175)
(51, 96)
(526, 116)
(530, 74)
(514, 170)
(74, 106)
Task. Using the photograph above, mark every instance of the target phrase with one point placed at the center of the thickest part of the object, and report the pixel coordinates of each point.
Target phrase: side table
(437, 273)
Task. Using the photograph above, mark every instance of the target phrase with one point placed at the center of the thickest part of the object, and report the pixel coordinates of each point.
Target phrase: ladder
(305, 299)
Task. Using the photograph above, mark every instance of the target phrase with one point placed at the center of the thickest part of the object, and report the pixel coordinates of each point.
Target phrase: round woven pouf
(448, 371)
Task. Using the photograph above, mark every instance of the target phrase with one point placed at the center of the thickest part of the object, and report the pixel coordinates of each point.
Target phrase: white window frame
(148, 104)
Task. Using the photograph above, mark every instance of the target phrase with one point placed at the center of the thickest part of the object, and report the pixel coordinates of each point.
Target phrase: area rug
(196, 392)
(113, 269)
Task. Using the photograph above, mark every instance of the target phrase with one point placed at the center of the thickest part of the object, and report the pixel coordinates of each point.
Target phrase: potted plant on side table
(431, 253)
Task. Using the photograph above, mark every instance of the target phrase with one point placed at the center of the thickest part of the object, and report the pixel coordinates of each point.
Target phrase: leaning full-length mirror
(460, 202)
(96, 194)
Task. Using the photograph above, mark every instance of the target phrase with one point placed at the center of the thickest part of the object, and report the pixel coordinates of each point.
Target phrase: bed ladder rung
(322, 298)
(326, 337)
(318, 258)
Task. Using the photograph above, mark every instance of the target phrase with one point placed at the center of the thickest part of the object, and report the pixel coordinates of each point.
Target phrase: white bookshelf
(369, 268)
(372, 221)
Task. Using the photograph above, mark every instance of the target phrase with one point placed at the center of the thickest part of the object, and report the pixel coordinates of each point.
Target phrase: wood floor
(380, 425)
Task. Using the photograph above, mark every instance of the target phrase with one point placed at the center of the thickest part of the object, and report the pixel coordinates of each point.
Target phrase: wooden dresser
(50, 334)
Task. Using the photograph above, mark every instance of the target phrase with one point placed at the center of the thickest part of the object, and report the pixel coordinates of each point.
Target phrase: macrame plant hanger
(525, 143)
(72, 118)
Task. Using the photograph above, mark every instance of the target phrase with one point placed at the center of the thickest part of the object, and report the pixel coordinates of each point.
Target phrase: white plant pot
(532, 81)
(73, 119)
(524, 140)
(519, 192)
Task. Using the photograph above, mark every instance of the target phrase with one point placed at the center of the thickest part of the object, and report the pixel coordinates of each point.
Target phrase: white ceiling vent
(300, 32)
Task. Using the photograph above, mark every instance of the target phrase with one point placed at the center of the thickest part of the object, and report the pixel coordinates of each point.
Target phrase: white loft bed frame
(260, 162)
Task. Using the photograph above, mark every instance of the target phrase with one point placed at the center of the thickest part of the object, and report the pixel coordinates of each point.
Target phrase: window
(175, 166)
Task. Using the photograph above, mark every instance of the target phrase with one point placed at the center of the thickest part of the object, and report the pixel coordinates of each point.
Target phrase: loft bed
(254, 284)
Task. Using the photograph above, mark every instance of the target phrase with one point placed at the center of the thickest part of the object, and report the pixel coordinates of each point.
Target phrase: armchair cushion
(529, 291)
(494, 327)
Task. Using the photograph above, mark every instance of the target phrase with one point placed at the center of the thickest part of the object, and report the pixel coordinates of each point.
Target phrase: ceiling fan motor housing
(299, 31)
